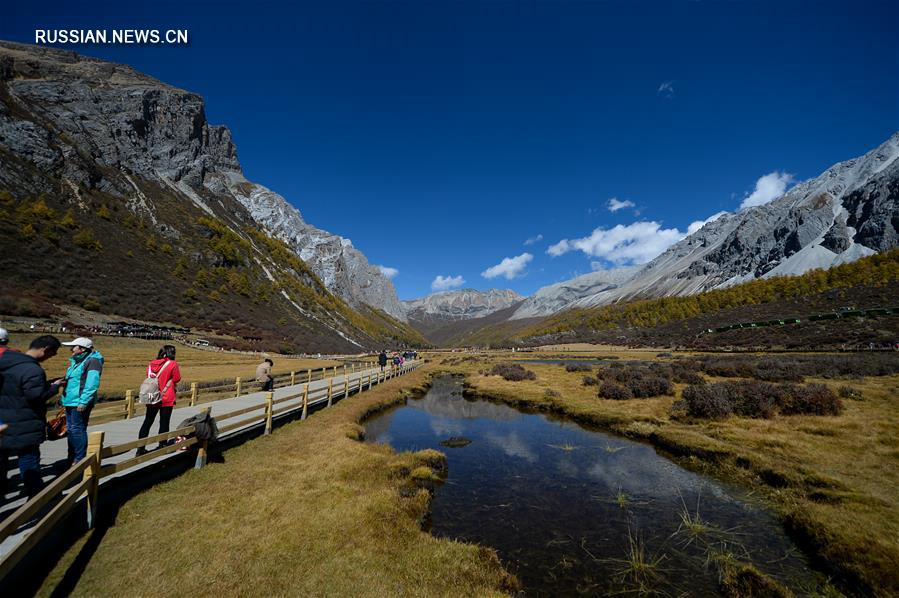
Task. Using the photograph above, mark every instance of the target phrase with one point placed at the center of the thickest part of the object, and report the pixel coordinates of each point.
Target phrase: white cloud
(614, 204)
(768, 188)
(698, 224)
(533, 240)
(635, 243)
(388, 272)
(510, 267)
(445, 283)
(666, 89)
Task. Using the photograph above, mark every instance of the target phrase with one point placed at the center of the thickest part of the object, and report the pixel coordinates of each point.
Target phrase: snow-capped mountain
(849, 211)
(464, 304)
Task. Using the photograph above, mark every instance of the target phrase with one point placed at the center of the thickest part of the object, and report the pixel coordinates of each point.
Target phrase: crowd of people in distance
(26, 394)
(397, 358)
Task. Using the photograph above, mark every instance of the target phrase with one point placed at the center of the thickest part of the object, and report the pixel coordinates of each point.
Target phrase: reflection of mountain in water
(444, 400)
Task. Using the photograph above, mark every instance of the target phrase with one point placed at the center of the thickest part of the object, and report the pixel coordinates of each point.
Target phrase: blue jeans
(76, 424)
(29, 469)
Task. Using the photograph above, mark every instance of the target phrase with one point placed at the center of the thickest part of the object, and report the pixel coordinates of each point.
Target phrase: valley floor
(831, 479)
(310, 510)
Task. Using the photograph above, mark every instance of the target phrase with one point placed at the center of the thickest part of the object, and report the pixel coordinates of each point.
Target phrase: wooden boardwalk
(126, 430)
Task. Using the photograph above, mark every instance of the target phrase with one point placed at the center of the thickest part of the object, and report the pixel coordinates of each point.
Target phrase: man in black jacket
(24, 392)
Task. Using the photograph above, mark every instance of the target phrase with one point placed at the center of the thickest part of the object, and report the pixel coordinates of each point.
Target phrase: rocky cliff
(117, 184)
(851, 210)
(464, 304)
(96, 125)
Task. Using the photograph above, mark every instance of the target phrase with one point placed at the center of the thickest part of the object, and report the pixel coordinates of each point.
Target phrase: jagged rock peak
(462, 304)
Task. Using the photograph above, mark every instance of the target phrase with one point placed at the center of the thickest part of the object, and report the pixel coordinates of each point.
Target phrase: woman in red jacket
(165, 368)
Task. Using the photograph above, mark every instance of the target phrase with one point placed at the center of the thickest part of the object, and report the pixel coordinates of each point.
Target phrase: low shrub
(513, 372)
(650, 386)
(577, 367)
(749, 398)
(614, 391)
(705, 401)
(752, 399)
(811, 399)
(551, 394)
(590, 381)
(690, 378)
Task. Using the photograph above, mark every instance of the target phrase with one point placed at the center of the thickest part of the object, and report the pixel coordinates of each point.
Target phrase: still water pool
(571, 510)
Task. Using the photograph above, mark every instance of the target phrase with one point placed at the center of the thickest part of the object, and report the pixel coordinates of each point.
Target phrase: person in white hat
(82, 383)
(4, 340)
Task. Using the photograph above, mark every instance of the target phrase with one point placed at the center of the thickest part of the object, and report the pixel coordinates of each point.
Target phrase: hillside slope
(129, 202)
(871, 282)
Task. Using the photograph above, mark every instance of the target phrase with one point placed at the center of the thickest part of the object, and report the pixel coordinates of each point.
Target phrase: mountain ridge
(849, 211)
(117, 183)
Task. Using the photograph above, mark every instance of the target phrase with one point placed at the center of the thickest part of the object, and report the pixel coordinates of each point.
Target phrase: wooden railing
(130, 407)
(91, 469)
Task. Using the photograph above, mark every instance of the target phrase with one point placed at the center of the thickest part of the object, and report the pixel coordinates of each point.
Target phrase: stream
(577, 511)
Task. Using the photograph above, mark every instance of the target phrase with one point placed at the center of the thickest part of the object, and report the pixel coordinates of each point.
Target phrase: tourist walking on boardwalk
(382, 360)
(264, 374)
(82, 383)
(4, 340)
(165, 369)
(23, 408)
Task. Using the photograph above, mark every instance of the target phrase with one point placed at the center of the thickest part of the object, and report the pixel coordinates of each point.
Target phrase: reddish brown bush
(614, 391)
(512, 372)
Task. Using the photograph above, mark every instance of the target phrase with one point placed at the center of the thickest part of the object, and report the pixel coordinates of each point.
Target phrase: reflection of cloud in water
(567, 468)
(512, 445)
(377, 427)
(640, 471)
(443, 426)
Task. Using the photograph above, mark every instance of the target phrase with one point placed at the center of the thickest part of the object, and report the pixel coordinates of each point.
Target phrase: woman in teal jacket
(82, 383)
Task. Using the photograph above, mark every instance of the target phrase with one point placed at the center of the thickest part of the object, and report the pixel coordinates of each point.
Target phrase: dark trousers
(76, 432)
(269, 386)
(29, 469)
(165, 416)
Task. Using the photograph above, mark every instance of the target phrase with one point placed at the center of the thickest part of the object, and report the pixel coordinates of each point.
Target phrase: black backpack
(204, 424)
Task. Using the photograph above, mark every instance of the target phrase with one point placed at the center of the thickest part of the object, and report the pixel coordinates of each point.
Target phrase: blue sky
(441, 136)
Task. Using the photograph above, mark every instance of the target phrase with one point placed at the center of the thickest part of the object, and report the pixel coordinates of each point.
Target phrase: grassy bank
(831, 478)
(306, 511)
(126, 362)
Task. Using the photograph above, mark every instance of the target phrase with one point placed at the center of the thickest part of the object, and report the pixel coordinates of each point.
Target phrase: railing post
(309, 375)
(92, 473)
(346, 386)
(237, 383)
(330, 390)
(293, 378)
(268, 412)
(203, 450)
(335, 371)
(306, 401)
(194, 392)
(129, 404)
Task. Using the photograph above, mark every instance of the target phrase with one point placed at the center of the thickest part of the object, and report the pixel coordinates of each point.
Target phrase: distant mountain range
(117, 185)
(848, 212)
(463, 304)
